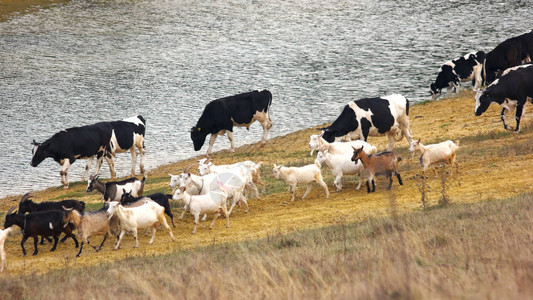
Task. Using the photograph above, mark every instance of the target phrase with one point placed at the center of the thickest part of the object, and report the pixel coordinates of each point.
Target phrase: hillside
(493, 164)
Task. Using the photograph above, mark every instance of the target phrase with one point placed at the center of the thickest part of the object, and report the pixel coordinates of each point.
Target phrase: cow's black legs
(35, 239)
(502, 117)
(519, 111)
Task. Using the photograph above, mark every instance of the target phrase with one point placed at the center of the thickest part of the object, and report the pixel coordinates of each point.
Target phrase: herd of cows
(342, 146)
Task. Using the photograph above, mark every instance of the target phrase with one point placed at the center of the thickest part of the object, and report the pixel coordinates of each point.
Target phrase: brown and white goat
(94, 223)
(384, 163)
(444, 152)
(295, 175)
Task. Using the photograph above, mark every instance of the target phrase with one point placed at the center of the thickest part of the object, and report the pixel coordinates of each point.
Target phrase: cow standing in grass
(514, 88)
(387, 115)
(220, 115)
(68, 145)
(466, 68)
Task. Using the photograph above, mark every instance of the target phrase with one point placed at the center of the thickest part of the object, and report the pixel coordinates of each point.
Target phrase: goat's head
(357, 153)
(26, 204)
(205, 167)
(276, 171)
(112, 208)
(322, 156)
(10, 217)
(71, 216)
(178, 194)
(126, 197)
(414, 145)
(91, 182)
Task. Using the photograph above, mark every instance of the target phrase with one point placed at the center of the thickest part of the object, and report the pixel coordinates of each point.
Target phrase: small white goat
(444, 152)
(340, 165)
(214, 201)
(3, 236)
(132, 218)
(303, 175)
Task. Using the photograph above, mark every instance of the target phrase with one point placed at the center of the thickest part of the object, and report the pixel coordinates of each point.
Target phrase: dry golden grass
(494, 164)
(473, 251)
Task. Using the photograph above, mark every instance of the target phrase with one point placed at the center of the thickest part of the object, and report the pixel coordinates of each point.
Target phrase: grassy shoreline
(9, 8)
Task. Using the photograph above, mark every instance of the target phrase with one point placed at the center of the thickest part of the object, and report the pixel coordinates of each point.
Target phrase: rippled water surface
(81, 62)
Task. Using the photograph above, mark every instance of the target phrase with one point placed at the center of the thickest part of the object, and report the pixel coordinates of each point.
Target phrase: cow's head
(329, 135)
(39, 152)
(198, 136)
(482, 102)
(435, 92)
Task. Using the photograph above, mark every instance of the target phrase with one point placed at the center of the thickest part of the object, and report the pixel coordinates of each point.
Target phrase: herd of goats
(217, 189)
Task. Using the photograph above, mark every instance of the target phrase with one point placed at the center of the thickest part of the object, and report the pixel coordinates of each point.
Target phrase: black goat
(47, 223)
(159, 198)
(26, 205)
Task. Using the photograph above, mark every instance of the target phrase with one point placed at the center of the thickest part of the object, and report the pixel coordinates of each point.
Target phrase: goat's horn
(10, 210)
(26, 197)
(188, 168)
(67, 209)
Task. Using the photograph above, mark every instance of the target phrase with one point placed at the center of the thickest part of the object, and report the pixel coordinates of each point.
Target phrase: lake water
(86, 61)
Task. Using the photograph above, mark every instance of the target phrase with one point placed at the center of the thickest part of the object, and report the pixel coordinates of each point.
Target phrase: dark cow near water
(512, 89)
(75, 143)
(466, 68)
(220, 115)
(128, 134)
(372, 116)
(510, 53)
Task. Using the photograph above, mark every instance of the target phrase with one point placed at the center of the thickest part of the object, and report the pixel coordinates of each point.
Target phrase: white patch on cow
(35, 150)
(134, 120)
(478, 95)
(515, 68)
(467, 56)
(50, 225)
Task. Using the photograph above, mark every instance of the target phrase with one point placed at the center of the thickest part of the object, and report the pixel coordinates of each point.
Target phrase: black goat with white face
(47, 223)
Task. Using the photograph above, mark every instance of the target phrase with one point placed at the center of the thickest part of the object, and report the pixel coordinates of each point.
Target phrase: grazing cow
(511, 52)
(466, 68)
(75, 143)
(128, 134)
(373, 116)
(512, 89)
(220, 115)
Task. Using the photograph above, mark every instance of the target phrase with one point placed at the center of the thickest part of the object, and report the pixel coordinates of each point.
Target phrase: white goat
(214, 201)
(3, 236)
(303, 175)
(444, 152)
(316, 142)
(132, 218)
(340, 165)
(204, 184)
(206, 166)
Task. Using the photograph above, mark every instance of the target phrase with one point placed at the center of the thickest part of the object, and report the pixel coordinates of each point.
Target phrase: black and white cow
(511, 52)
(128, 134)
(511, 90)
(75, 143)
(373, 116)
(220, 115)
(466, 68)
